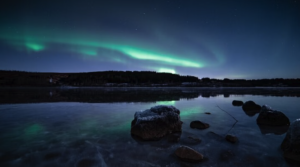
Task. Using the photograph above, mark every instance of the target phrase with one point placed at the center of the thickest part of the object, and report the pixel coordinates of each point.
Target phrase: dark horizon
(131, 79)
(141, 71)
(1, 70)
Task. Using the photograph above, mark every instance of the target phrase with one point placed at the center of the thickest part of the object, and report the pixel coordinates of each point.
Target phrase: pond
(91, 126)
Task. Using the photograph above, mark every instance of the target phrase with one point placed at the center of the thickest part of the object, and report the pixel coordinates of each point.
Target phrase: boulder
(251, 106)
(199, 125)
(156, 122)
(237, 103)
(291, 142)
(188, 154)
(270, 117)
(231, 138)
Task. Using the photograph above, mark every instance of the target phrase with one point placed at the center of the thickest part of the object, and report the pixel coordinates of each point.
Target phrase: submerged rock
(156, 122)
(231, 138)
(291, 142)
(199, 125)
(270, 117)
(188, 154)
(237, 103)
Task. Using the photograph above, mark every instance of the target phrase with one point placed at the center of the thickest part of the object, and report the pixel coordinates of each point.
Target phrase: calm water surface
(66, 133)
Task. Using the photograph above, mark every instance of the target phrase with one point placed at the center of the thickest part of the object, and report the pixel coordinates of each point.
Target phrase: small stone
(237, 103)
(188, 154)
(250, 106)
(199, 125)
(231, 138)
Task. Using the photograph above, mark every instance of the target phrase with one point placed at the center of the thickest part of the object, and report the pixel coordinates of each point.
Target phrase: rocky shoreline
(160, 121)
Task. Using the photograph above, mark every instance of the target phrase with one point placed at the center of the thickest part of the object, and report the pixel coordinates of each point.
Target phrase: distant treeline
(105, 78)
(131, 79)
(274, 82)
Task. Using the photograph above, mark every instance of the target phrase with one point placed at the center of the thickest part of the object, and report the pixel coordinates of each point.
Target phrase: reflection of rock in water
(226, 95)
(205, 95)
(277, 130)
(94, 95)
(163, 143)
(251, 113)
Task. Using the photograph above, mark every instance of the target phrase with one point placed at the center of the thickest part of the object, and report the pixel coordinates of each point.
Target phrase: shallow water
(97, 132)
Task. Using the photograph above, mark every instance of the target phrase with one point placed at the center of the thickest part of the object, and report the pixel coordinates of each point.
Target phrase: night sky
(250, 39)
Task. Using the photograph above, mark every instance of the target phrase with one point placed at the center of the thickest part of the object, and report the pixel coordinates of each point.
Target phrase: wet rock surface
(188, 154)
(199, 125)
(291, 142)
(270, 117)
(156, 122)
(237, 103)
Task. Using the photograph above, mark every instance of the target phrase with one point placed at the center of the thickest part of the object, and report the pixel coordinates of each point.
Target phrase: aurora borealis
(248, 39)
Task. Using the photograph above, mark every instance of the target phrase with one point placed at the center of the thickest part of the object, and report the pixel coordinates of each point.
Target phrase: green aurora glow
(34, 47)
(88, 45)
(166, 70)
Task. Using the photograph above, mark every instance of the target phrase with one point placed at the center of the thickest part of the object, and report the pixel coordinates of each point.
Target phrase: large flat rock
(156, 122)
